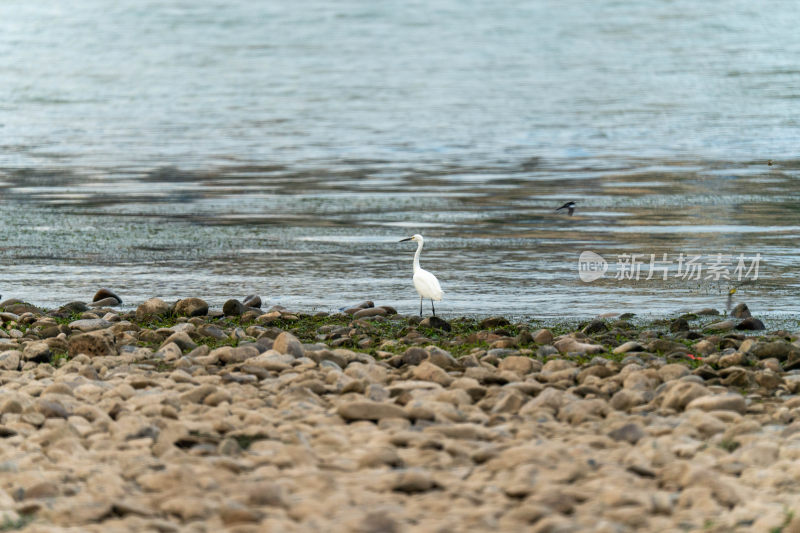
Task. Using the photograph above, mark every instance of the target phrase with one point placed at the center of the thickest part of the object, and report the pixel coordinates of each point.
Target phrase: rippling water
(217, 149)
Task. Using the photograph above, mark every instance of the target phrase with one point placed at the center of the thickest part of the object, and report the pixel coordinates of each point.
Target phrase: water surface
(218, 149)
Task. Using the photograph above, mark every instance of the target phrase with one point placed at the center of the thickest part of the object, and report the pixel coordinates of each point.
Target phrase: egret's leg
(433, 308)
(420, 306)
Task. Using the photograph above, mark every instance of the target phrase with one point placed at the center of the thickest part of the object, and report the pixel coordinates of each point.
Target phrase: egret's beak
(407, 239)
(732, 291)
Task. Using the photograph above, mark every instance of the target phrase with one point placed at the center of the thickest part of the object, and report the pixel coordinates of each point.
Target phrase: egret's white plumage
(426, 283)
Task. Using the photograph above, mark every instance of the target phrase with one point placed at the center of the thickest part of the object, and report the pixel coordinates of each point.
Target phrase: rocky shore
(177, 417)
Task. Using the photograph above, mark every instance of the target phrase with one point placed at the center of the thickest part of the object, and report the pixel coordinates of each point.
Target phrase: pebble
(370, 312)
(720, 402)
(436, 323)
(105, 294)
(37, 352)
(191, 307)
(233, 307)
(153, 307)
(286, 343)
(751, 324)
(740, 311)
(90, 324)
(370, 410)
(570, 345)
(543, 336)
(725, 325)
(252, 301)
(630, 433)
(630, 346)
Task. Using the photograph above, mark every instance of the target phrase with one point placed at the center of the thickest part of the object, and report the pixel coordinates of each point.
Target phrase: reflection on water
(496, 245)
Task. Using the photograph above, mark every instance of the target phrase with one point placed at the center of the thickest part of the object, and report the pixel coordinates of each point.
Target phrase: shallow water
(221, 149)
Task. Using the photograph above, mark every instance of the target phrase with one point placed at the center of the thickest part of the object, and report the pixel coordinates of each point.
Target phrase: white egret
(569, 206)
(426, 283)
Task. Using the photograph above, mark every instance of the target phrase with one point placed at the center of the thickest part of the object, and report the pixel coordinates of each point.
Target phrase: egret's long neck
(416, 257)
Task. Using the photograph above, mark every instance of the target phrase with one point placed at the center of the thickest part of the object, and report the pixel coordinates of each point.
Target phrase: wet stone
(191, 307)
(370, 410)
(252, 300)
(233, 307)
(152, 308)
(493, 322)
(750, 324)
(436, 323)
(725, 325)
(370, 312)
(630, 433)
(414, 356)
(92, 324)
(104, 294)
(38, 352)
(679, 324)
(9, 359)
(595, 326)
(741, 311)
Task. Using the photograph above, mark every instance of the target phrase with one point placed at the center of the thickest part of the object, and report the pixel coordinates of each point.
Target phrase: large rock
(38, 352)
(90, 324)
(370, 311)
(741, 311)
(288, 344)
(95, 343)
(9, 360)
(443, 359)
(517, 363)
(233, 307)
(719, 402)
(777, 349)
(414, 356)
(630, 433)
(369, 410)
(72, 308)
(252, 300)
(703, 347)
(20, 308)
(678, 394)
(102, 294)
(725, 325)
(153, 307)
(543, 336)
(191, 307)
(570, 345)
(182, 340)
(493, 322)
(105, 302)
(750, 324)
(427, 371)
(630, 346)
(210, 330)
(626, 399)
(679, 324)
(595, 326)
(672, 371)
(435, 322)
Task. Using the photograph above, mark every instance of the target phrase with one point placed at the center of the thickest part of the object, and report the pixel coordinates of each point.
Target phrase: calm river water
(216, 149)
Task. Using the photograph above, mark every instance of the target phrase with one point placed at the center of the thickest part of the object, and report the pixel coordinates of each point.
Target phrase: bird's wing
(427, 285)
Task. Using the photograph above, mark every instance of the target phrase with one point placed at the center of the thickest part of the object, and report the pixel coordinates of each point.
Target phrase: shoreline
(173, 417)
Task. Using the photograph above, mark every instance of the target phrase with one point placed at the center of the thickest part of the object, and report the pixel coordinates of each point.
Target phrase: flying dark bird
(569, 206)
